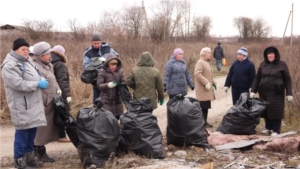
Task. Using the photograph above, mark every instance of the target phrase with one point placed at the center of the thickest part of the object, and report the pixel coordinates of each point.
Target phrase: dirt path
(219, 107)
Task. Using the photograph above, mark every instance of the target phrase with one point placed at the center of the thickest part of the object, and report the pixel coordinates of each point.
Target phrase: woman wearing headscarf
(273, 84)
(177, 76)
(23, 86)
(204, 82)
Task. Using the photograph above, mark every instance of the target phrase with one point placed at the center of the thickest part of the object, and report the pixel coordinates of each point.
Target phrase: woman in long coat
(204, 82)
(49, 133)
(146, 80)
(273, 82)
(108, 79)
(177, 76)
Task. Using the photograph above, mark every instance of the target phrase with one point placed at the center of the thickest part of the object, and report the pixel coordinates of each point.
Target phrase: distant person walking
(177, 77)
(204, 82)
(23, 86)
(218, 55)
(273, 84)
(146, 81)
(240, 76)
(97, 50)
(61, 73)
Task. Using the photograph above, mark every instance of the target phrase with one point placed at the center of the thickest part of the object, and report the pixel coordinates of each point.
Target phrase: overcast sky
(222, 12)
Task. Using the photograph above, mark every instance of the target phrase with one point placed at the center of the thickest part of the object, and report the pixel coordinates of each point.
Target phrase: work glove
(289, 98)
(252, 95)
(215, 86)
(225, 89)
(58, 92)
(192, 88)
(69, 100)
(161, 102)
(208, 86)
(43, 84)
(102, 59)
(112, 84)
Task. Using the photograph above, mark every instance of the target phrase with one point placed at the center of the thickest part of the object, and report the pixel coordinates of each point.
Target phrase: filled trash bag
(140, 131)
(243, 117)
(98, 131)
(186, 125)
(90, 72)
(63, 118)
(125, 95)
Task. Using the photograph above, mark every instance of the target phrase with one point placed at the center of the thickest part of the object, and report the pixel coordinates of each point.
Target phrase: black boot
(31, 161)
(20, 163)
(40, 152)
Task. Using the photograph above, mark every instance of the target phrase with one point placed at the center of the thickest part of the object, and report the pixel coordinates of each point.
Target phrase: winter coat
(61, 73)
(48, 133)
(241, 74)
(24, 98)
(177, 77)
(111, 96)
(146, 80)
(273, 82)
(203, 74)
(218, 52)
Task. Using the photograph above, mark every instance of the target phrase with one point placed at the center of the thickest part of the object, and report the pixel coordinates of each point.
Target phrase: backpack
(90, 73)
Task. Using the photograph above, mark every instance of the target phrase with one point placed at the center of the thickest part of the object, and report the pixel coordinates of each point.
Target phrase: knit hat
(41, 48)
(243, 51)
(270, 50)
(177, 51)
(96, 37)
(19, 42)
(113, 61)
(59, 48)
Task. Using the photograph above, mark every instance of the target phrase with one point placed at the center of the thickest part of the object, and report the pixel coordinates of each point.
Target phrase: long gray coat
(23, 97)
(48, 133)
(177, 77)
(273, 82)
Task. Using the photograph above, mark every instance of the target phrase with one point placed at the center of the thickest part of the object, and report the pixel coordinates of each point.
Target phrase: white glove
(69, 100)
(112, 84)
(58, 92)
(289, 98)
(252, 95)
(102, 59)
(208, 86)
(225, 89)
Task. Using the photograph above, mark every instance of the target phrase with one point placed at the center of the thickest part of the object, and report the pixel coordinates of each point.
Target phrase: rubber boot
(40, 152)
(20, 163)
(31, 161)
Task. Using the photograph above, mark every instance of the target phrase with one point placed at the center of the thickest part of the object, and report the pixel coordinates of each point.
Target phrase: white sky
(222, 12)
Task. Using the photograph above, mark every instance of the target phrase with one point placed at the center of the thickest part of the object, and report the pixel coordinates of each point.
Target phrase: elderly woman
(177, 76)
(23, 88)
(273, 82)
(47, 134)
(203, 82)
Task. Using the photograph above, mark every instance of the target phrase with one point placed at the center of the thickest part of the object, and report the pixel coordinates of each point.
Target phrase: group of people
(33, 77)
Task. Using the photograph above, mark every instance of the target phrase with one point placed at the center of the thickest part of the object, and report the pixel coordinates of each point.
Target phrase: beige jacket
(203, 74)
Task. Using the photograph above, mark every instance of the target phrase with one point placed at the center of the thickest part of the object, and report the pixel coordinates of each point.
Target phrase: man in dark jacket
(218, 55)
(61, 73)
(241, 75)
(97, 50)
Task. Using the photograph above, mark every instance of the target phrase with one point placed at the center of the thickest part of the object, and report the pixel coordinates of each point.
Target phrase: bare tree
(39, 29)
(110, 23)
(260, 29)
(202, 27)
(77, 30)
(134, 21)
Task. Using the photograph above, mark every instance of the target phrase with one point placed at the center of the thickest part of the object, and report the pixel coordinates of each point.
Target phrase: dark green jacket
(146, 80)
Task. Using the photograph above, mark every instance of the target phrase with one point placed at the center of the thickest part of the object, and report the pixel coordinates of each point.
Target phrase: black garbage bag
(243, 117)
(125, 95)
(186, 125)
(63, 118)
(90, 72)
(98, 131)
(140, 132)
